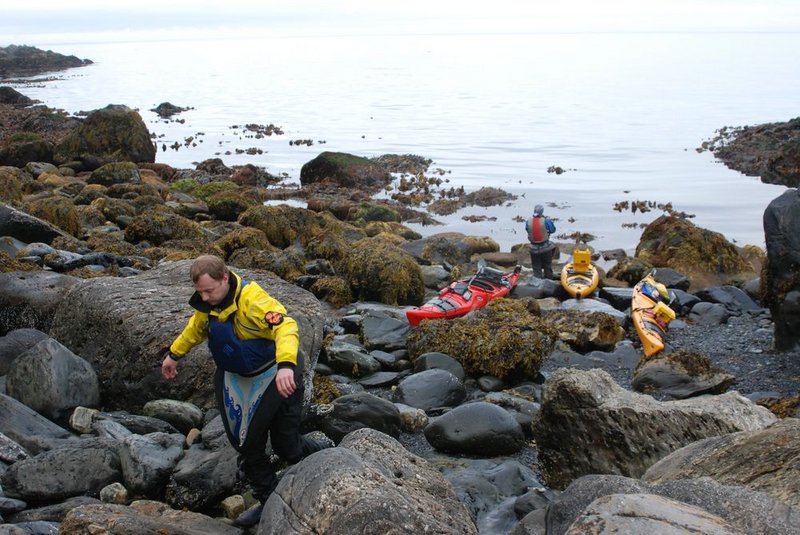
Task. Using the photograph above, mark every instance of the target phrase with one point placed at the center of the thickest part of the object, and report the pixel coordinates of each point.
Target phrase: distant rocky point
(22, 60)
(771, 151)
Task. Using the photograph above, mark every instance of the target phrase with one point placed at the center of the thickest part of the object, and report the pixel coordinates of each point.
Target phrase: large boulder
(26, 227)
(451, 247)
(123, 326)
(751, 511)
(75, 468)
(590, 425)
(112, 134)
(780, 278)
(27, 427)
(24, 147)
(286, 225)
(503, 340)
(704, 256)
(369, 484)
(50, 379)
(763, 460)
(378, 270)
(346, 171)
(30, 299)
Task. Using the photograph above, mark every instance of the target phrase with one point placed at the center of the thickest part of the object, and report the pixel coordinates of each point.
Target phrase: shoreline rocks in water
(22, 60)
(471, 428)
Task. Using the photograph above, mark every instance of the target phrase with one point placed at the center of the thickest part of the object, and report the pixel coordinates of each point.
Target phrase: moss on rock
(59, 211)
(334, 290)
(160, 227)
(240, 238)
(378, 270)
(502, 340)
(704, 256)
(584, 330)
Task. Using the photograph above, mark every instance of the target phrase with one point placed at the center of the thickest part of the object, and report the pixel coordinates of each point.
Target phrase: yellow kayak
(650, 314)
(580, 277)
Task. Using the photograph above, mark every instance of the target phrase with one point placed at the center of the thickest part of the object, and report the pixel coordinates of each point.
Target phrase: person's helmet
(538, 209)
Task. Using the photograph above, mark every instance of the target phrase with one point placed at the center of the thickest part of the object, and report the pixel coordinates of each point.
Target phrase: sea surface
(623, 115)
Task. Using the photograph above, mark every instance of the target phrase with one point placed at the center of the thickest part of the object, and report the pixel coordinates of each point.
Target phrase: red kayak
(465, 295)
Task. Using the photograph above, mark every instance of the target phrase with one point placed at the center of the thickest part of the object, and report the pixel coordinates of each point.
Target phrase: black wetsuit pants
(277, 419)
(542, 263)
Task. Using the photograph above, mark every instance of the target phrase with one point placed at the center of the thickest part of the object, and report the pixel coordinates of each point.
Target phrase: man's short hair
(210, 265)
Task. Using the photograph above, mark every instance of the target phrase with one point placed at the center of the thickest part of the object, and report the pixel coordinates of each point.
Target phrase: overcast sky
(43, 21)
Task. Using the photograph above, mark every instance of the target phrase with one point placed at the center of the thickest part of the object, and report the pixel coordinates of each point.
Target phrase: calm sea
(622, 114)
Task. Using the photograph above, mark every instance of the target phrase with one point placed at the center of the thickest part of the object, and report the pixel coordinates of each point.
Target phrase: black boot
(251, 517)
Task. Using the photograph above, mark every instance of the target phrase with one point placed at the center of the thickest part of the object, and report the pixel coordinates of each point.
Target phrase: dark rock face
(344, 170)
(29, 300)
(123, 327)
(16, 60)
(771, 151)
(780, 280)
(112, 134)
(9, 95)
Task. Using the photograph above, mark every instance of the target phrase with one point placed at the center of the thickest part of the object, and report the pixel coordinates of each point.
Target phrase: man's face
(211, 291)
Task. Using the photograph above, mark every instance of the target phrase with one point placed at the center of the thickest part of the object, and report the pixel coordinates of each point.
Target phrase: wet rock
(69, 470)
(382, 331)
(752, 511)
(207, 472)
(704, 313)
(344, 170)
(370, 482)
(112, 134)
(680, 375)
(27, 427)
(166, 110)
(52, 380)
(24, 147)
(430, 389)
(589, 328)
(357, 411)
(181, 414)
(148, 460)
(741, 459)
(735, 300)
(25, 227)
(639, 513)
(15, 343)
(476, 429)
(588, 424)
(433, 360)
(115, 173)
(780, 283)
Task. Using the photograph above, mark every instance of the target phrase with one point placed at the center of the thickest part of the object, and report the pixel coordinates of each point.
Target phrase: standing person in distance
(258, 382)
(539, 228)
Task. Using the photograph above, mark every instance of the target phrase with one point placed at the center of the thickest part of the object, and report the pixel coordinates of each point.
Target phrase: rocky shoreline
(529, 416)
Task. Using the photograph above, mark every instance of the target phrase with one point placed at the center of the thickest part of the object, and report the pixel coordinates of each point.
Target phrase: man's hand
(169, 368)
(284, 380)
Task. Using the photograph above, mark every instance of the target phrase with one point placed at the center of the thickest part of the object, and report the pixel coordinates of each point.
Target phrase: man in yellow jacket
(258, 382)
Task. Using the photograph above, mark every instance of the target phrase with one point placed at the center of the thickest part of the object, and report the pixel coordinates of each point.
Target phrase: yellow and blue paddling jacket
(256, 315)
